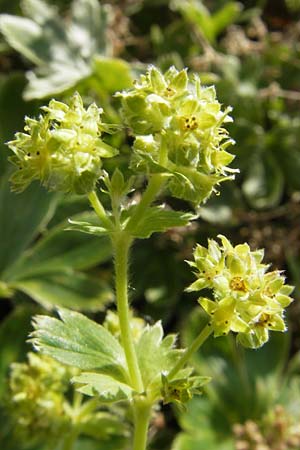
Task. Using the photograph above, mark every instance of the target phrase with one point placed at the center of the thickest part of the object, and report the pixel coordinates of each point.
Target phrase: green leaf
(225, 16)
(194, 12)
(60, 251)
(108, 389)
(222, 209)
(87, 227)
(185, 441)
(12, 112)
(104, 425)
(159, 219)
(22, 217)
(80, 342)
(264, 182)
(113, 74)
(112, 443)
(117, 186)
(70, 290)
(156, 355)
(14, 330)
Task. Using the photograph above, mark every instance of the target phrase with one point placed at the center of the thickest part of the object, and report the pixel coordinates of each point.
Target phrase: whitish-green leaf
(87, 28)
(60, 251)
(74, 290)
(80, 342)
(156, 355)
(64, 51)
(55, 78)
(22, 34)
(159, 219)
(108, 389)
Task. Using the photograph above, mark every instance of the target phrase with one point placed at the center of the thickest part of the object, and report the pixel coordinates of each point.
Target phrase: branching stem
(195, 345)
(149, 195)
(99, 210)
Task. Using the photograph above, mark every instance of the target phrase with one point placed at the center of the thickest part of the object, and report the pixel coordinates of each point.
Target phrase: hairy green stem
(70, 440)
(99, 210)
(121, 242)
(149, 195)
(195, 345)
(142, 414)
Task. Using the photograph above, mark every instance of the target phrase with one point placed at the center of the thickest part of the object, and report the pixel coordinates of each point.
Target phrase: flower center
(238, 284)
(169, 92)
(188, 123)
(265, 320)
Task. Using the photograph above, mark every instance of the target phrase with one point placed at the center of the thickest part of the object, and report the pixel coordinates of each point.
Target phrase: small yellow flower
(62, 148)
(248, 299)
(178, 129)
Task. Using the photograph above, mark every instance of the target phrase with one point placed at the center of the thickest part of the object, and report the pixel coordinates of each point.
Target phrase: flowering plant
(180, 147)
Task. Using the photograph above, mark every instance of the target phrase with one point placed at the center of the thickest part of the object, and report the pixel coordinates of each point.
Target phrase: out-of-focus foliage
(247, 386)
(65, 52)
(44, 411)
(250, 51)
(51, 270)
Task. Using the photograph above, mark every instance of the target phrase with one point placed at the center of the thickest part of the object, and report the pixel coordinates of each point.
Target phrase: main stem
(195, 345)
(121, 242)
(141, 424)
(70, 440)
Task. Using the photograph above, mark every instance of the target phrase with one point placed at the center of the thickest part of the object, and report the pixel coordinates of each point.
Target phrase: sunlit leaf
(105, 387)
(76, 340)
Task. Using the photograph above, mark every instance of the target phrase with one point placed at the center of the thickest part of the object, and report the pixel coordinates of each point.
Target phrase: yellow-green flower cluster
(62, 148)
(178, 129)
(36, 398)
(248, 299)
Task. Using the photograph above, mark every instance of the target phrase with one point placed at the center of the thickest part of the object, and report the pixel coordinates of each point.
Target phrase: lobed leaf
(156, 355)
(107, 388)
(80, 342)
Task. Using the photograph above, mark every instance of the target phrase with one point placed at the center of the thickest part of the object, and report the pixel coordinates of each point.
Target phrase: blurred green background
(250, 50)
